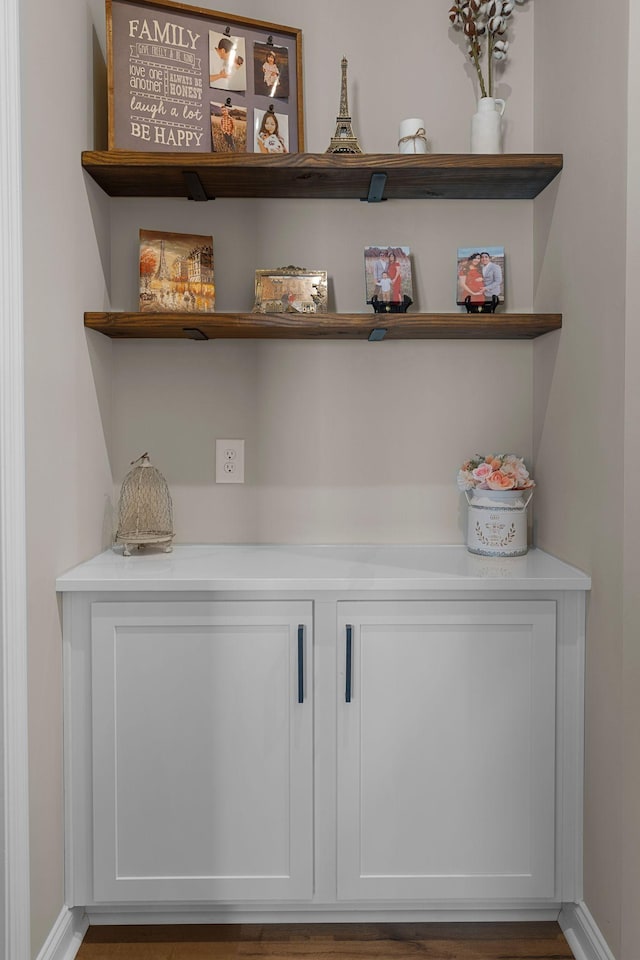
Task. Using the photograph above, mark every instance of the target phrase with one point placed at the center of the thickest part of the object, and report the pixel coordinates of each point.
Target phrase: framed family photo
(228, 127)
(227, 61)
(271, 131)
(480, 275)
(271, 70)
(388, 276)
(171, 68)
(291, 290)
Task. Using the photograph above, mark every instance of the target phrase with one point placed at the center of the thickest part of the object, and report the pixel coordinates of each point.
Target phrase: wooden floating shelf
(205, 176)
(327, 326)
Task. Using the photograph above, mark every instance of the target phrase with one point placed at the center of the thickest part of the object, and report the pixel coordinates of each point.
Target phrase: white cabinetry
(202, 751)
(321, 732)
(446, 750)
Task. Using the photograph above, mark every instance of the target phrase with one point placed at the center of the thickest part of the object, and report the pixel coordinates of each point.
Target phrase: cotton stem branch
(490, 64)
(476, 60)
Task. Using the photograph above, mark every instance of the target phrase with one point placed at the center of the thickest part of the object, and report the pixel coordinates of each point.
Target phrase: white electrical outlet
(229, 461)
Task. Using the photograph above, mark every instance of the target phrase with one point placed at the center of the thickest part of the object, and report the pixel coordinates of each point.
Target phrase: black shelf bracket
(378, 333)
(193, 183)
(376, 188)
(194, 333)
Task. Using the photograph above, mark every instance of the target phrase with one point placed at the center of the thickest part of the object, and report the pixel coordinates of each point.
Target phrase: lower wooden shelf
(327, 326)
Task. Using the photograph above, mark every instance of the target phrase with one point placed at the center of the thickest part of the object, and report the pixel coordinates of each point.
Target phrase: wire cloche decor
(145, 511)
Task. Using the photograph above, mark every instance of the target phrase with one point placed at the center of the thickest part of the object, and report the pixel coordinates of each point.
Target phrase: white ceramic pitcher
(486, 126)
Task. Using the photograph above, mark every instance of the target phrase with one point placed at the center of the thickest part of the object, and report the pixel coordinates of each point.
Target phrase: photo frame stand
(489, 306)
(388, 306)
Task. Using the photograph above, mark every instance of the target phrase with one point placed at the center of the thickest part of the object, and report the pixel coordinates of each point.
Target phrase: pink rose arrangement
(495, 472)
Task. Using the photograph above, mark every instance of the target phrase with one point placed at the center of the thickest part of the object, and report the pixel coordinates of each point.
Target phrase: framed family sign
(186, 79)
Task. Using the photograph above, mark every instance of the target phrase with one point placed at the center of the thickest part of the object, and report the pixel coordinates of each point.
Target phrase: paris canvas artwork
(176, 273)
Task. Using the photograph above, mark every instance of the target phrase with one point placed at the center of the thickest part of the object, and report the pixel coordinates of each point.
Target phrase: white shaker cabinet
(321, 732)
(446, 750)
(202, 751)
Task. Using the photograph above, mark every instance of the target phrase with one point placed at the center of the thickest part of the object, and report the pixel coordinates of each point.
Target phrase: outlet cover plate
(229, 461)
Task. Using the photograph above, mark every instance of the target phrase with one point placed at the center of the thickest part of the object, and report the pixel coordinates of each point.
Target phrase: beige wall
(631, 647)
(66, 230)
(352, 441)
(343, 441)
(579, 396)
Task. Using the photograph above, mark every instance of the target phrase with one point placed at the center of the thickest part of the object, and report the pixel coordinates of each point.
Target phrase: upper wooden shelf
(327, 326)
(372, 176)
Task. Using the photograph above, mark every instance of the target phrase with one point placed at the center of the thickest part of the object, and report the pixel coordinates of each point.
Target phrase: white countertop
(309, 568)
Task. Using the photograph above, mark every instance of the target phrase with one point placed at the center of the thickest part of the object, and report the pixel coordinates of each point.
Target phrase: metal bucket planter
(497, 522)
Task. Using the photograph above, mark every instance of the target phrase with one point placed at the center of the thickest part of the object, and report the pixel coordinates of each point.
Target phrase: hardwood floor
(328, 941)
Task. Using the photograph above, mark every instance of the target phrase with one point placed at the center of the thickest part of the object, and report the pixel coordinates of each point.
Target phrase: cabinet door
(446, 750)
(202, 751)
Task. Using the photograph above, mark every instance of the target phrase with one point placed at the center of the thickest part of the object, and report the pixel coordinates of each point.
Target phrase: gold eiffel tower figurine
(344, 140)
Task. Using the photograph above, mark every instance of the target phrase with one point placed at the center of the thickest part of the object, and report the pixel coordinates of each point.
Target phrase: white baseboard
(66, 935)
(583, 934)
(198, 913)
(580, 929)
